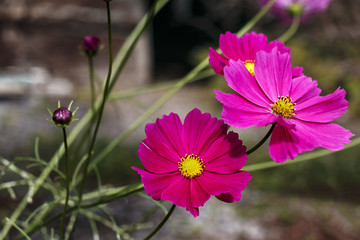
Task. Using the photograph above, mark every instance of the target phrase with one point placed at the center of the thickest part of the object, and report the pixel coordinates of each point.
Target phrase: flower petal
(155, 184)
(303, 88)
(243, 48)
(217, 61)
(286, 144)
(273, 73)
(241, 113)
(280, 46)
(154, 162)
(240, 79)
(297, 72)
(226, 155)
(227, 187)
(200, 131)
(327, 135)
(164, 137)
(185, 193)
(323, 109)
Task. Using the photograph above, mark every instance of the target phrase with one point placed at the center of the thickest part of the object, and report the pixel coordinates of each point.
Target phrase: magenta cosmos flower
(243, 48)
(287, 9)
(303, 117)
(188, 163)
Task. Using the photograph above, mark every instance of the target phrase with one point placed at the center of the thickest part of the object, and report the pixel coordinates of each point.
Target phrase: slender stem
(291, 30)
(298, 159)
(119, 62)
(67, 172)
(101, 110)
(105, 198)
(182, 82)
(92, 84)
(161, 223)
(256, 18)
(262, 140)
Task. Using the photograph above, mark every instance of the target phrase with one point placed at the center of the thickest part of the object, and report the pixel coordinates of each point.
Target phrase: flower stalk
(106, 91)
(161, 224)
(262, 141)
(291, 30)
(67, 172)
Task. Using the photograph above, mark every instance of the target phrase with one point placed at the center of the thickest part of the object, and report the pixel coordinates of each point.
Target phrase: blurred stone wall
(40, 62)
(46, 34)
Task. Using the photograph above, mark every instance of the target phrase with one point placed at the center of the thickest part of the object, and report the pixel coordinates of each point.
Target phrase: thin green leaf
(8, 220)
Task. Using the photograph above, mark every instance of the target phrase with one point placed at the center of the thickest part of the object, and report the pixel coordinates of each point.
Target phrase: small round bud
(62, 116)
(91, 45)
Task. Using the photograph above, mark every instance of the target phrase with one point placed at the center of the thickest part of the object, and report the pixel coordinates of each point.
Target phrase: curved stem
(101, 110)
(291, 30)
(262, 140)
(67, 172)
(161, 223)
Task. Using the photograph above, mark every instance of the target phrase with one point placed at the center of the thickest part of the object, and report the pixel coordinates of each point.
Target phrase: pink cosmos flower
(287, 9)
(243, 48)
(188, 163)
(303, 117)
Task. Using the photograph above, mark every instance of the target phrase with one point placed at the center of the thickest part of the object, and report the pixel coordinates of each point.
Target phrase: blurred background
(40, 63)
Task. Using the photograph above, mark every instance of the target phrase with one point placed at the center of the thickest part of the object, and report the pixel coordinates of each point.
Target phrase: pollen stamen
(284, 107)
(250, 66)
(191, 166)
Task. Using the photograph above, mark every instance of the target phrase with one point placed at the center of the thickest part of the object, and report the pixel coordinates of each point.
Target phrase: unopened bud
(91, 45)
(62, 116)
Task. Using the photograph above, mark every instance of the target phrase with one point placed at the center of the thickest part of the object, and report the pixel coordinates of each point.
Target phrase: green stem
(262, 140)
(67, 184)
(291, 30)
(92, 83)
(178, 85)
(105, 198)
(101, 110)
(161, 223)
(249, 25)
(156, 87)
(119, 62)
(301, 158)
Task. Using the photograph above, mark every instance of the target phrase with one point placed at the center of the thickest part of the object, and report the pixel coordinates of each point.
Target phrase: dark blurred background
(40, 63)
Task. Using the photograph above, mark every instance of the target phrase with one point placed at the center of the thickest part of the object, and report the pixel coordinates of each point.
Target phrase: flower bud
(91, 45)
(62, 116)
(296, 9)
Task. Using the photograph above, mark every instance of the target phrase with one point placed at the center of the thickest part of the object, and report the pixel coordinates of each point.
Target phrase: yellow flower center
(250, 65)
(191, 166)
(284, 107)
